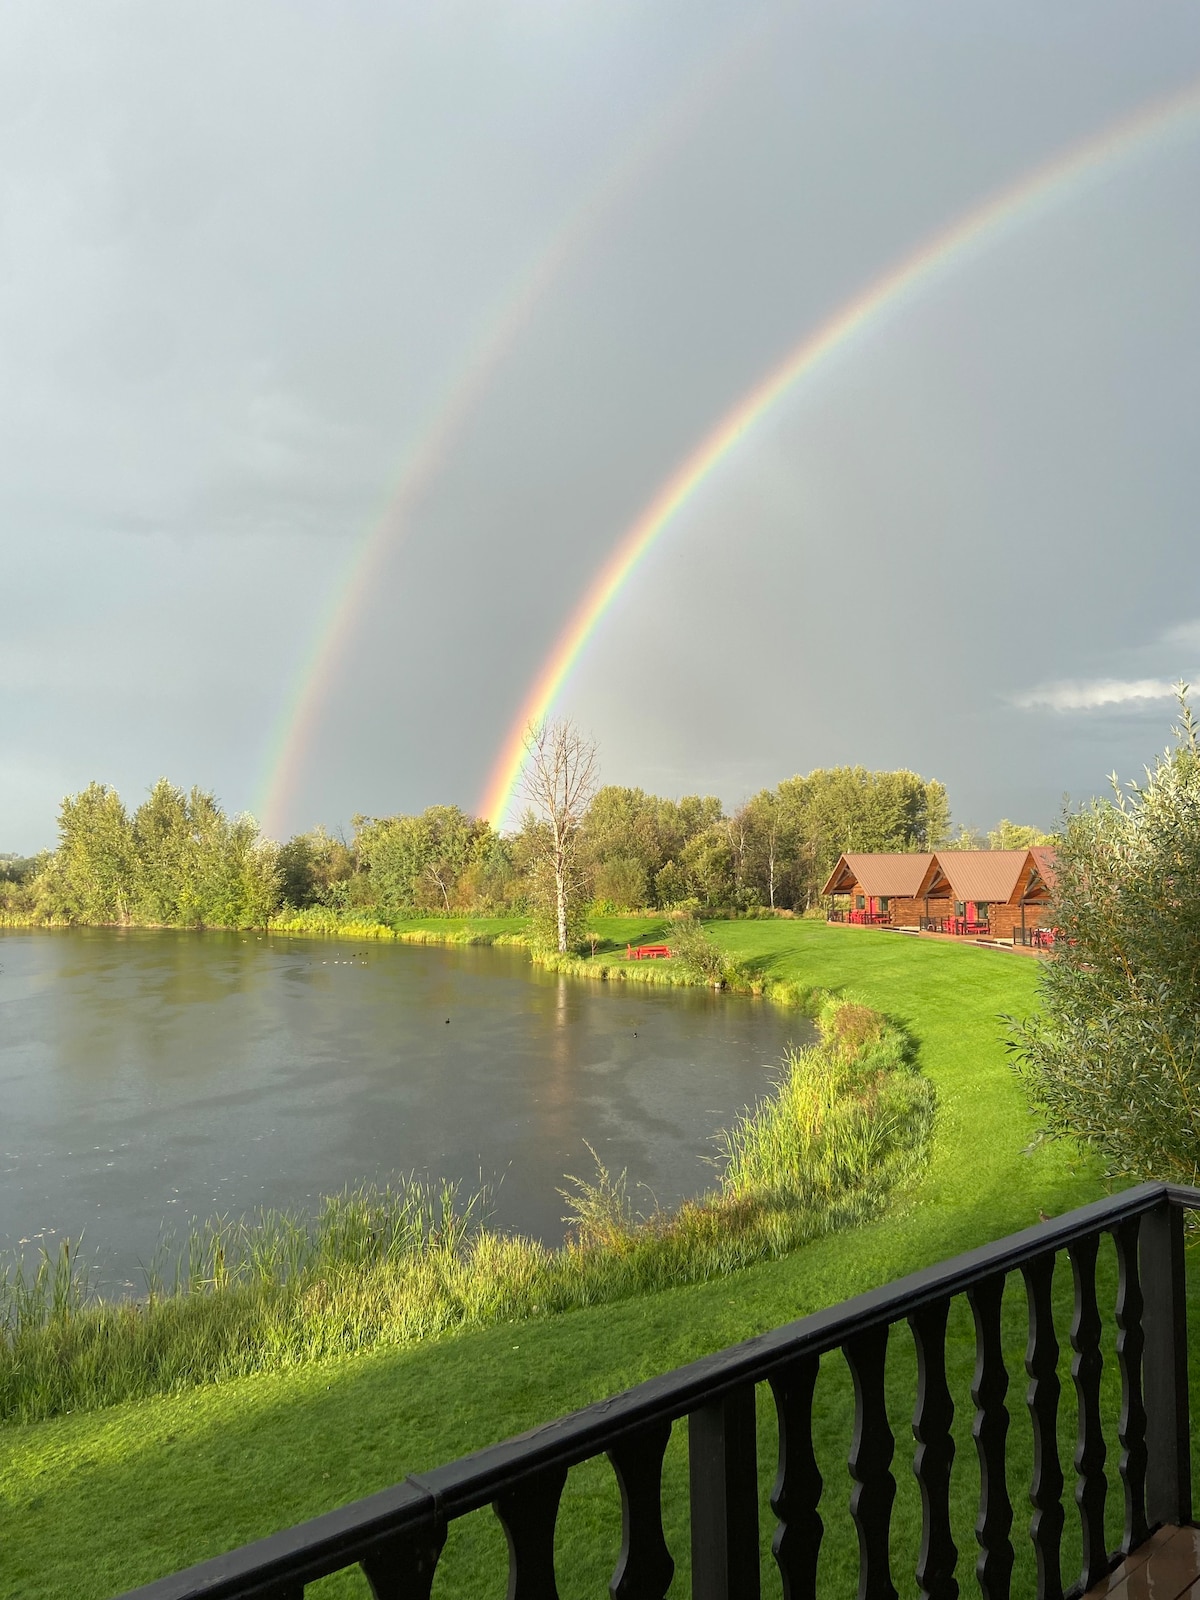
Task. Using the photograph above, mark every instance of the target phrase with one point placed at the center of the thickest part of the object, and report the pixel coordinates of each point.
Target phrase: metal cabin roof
(988, 875)
(896, 876)
(1045, 858)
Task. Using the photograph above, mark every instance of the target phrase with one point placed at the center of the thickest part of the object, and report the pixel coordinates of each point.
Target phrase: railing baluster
(528, 1515)
(403, 1568)
(870, 1463)
(723, 1464)
(1087, 1364)
(644, 1567)
(1169, 1462)
(1131, 1428)
(797, 1492)
(934, 1456)
(989, 1389)
(1041, 1363)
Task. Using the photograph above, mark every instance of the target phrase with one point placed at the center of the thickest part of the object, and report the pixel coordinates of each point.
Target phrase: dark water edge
(149, 1077)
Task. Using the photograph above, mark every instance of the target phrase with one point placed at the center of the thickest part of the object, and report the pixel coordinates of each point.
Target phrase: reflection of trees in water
(136, 999)
(559, 1089)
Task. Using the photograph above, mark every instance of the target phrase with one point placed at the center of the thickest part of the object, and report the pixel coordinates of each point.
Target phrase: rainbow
(1029, 197)
(458, 399)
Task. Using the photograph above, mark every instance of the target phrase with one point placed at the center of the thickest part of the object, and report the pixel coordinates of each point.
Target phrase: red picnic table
(646, 952)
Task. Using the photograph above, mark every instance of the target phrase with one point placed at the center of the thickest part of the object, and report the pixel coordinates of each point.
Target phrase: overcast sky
(248, 250)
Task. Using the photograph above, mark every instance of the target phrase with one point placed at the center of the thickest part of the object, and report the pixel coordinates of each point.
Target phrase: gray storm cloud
(244, 251)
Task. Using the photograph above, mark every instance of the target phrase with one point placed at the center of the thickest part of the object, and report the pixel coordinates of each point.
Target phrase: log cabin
(880, 889)
(996, 894)
(999, 894)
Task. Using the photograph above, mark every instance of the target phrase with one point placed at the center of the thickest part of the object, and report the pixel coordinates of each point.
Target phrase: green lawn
(96, 1503)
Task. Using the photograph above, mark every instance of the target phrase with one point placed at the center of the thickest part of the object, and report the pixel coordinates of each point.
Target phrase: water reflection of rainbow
(661, 135)
(1021, 202)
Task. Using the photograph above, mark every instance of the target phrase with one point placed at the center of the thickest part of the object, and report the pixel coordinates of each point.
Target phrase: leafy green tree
(670, 885)
(967, 839)
(836, 809)
(491, 884)
(1016, 836)
(166, 852)
(628, 837)
(774, 850)
(19, 877)
(708, 862)
(681, 821)
(621, 825)
(18, 869)
(315, 869)
(1112, 1058)
(421, 863)
(455, 841)
(621, 883)
(1005, 836)
(179, 861)
(90, 877)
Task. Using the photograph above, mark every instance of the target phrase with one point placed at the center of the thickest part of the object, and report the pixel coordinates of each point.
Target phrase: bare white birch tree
(561, 774)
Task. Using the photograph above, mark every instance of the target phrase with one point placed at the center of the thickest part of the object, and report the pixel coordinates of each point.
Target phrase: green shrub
(1112, 1059)
(699, 957)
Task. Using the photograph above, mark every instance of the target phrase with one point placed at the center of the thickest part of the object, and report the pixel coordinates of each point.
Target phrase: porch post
(722, 1446)
(1169, 1464)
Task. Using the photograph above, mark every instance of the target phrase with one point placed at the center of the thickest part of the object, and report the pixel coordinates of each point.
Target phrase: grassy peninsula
(231, 1461)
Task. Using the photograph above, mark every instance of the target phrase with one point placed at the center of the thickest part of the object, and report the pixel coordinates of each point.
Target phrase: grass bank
(152, 1484)
(850, 1119)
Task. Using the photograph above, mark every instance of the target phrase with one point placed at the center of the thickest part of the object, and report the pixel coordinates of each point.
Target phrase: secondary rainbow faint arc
(459, 397)
(1094, 158)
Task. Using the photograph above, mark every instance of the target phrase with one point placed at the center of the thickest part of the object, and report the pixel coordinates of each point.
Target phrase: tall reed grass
(367, 923)
(849, 1120)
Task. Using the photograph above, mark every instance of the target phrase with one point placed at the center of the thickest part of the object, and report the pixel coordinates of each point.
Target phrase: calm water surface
(152, 1077)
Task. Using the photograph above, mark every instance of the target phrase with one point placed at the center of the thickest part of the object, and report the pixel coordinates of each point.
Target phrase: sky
(399, 316)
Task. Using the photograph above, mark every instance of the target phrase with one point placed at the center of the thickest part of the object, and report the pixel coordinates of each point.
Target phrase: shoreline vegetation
(850, 1122)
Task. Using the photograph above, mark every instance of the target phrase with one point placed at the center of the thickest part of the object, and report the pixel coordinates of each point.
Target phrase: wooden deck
(1166, 1567)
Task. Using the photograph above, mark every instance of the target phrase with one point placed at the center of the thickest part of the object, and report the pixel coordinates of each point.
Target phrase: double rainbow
(1091, 161)
(458, 400)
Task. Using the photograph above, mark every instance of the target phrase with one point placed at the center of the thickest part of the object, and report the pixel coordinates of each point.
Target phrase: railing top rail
(325, 1543)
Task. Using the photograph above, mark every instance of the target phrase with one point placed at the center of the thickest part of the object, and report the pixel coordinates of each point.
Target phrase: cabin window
(960, 908)
(860, 903)
(979, 911)
(883, 902)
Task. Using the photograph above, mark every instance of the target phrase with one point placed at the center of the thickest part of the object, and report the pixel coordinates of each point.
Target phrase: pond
(151, 1077)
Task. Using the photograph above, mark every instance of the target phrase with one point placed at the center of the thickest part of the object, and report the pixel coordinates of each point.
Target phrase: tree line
(176, 861)
(179, 860)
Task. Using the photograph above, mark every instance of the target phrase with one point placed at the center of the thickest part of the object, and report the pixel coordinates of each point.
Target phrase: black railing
(397, 1536)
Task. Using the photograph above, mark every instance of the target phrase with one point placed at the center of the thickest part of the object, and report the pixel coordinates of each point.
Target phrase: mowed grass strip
(99, 1502)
